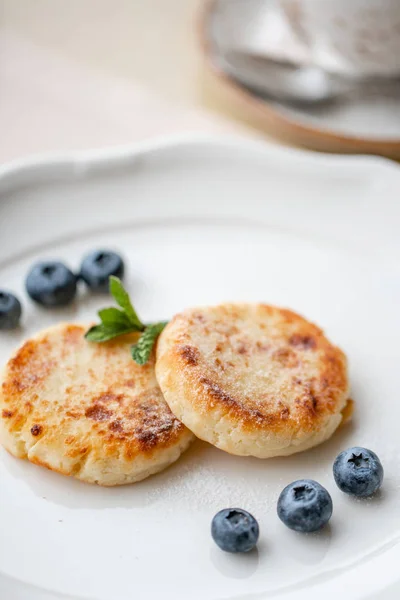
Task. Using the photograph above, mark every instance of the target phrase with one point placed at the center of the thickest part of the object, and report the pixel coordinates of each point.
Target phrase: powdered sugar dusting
(210, 479)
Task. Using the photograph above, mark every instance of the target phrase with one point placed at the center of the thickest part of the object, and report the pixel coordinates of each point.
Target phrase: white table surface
(88, 73)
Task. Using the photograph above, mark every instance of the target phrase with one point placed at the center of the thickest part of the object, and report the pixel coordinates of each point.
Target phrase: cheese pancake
(252, 379)
(87, 410)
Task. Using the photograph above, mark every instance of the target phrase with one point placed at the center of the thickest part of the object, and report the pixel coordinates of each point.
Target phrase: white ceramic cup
(360, 38)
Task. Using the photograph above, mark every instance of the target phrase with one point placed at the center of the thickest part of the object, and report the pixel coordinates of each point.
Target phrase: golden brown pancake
(252, 379)
(87, 410)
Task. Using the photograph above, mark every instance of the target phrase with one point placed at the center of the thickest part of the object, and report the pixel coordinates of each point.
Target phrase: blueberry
(358, 471)
(234, 530)
(51, 284)
(10, 310)
(305, 506)
(97, 267)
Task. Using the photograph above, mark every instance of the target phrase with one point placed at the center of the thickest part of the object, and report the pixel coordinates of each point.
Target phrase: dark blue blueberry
(51, 284)
(305, 506)
(97, 267)
(10, 310)
(235, 530)
(358, 471)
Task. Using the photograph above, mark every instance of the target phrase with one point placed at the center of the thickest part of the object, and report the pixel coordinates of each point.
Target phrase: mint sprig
(121, 297)
(142, 350)
(113, 316)
(104, 333)
(123, 320)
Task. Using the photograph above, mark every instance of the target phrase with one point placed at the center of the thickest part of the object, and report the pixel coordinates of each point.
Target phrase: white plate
(200, 222)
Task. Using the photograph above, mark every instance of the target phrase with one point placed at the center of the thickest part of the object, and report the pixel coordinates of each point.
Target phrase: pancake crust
(87, 410)
(252, 379)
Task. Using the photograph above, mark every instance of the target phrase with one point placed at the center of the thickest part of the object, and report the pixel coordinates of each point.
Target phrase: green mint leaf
(104, 333)
(114, 316)
(114, 321)
(142, 350)
(121, 297)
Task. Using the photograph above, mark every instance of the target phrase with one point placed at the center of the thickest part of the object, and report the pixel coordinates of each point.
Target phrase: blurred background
(85, 73)
(151, 41)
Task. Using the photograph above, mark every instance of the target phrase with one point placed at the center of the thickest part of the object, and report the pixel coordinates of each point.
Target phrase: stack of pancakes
(251, 379)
